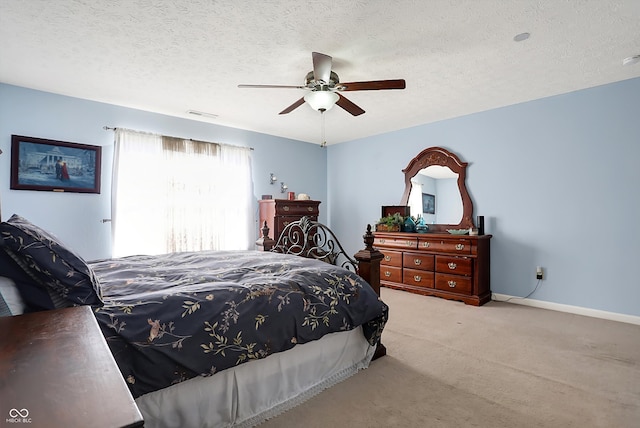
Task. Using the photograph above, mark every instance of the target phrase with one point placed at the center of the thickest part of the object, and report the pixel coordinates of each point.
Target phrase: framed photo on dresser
(55, 166)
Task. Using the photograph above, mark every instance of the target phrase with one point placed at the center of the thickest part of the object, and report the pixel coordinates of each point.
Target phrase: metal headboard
(311, 239)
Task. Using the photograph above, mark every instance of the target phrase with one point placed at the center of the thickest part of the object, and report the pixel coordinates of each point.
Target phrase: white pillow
(9, 293)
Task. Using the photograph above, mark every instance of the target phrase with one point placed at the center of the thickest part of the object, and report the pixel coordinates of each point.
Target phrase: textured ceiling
(457, 57)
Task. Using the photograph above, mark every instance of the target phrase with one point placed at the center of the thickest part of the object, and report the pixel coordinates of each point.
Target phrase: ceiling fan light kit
(321, 100)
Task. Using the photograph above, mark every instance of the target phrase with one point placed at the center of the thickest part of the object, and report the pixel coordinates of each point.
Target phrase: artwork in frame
(57, 166)
(428, 203)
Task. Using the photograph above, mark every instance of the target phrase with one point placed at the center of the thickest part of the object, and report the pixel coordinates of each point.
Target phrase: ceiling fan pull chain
(324, 141)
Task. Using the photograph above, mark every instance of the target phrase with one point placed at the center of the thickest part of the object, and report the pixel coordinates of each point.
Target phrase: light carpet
(498, 365)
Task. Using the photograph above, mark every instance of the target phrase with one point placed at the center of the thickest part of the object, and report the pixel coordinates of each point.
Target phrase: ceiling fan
(324, 88)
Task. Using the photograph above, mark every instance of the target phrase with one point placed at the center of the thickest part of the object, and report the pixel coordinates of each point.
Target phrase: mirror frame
(442, 157)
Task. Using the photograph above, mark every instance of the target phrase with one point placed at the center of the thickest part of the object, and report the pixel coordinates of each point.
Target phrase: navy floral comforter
(172, 317)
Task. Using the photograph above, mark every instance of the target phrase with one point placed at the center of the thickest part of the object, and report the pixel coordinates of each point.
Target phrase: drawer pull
(417, 262)
(285, 208)
(409, 243)
(452, 266)
(417, 278)
(387, 258)
(310, 209)
(426, 244)
(382, 241)
(387, 273)
(452, 284)
(460, 247)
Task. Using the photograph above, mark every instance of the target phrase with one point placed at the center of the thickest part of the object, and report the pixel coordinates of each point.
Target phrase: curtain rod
(109, 128)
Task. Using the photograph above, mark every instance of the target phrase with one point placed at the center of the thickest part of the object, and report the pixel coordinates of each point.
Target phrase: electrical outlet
(539, 274)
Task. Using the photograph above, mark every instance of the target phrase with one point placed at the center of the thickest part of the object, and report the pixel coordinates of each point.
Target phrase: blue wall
(556, 179)
(75, 218)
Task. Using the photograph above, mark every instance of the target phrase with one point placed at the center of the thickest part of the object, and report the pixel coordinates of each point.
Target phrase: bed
(226, 338)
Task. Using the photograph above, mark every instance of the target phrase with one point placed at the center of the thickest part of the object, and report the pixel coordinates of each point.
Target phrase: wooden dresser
(56, 370)
(280, 212)
(436, 264)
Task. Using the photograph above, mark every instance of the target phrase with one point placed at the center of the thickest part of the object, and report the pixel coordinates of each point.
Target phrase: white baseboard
(578, 310)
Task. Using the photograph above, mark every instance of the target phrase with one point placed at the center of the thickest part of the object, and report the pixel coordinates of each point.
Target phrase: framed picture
(56, 166)
(428, 203)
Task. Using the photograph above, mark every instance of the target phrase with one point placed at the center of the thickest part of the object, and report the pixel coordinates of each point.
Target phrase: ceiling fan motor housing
(319, 85)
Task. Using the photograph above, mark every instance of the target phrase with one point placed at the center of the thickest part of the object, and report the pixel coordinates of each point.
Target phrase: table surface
(56, 370)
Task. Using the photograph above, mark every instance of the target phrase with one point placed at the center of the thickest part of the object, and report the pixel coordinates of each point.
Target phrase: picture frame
(428, 203)
(55, 166)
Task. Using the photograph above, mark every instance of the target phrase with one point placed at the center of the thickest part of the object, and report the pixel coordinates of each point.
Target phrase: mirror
(435, 189)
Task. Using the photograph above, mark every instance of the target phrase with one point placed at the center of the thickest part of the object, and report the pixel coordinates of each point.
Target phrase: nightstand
(56, 370)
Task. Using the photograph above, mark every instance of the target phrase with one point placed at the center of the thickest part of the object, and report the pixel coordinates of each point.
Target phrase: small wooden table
(56, 370)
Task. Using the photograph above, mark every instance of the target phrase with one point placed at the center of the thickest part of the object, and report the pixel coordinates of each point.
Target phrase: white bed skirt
(252, 392)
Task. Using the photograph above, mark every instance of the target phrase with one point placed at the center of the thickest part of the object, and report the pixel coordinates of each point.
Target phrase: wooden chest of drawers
(278, 213)
(443, 265)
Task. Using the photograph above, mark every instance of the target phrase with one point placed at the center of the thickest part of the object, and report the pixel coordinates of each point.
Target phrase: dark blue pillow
(36, 297)
(44, 258)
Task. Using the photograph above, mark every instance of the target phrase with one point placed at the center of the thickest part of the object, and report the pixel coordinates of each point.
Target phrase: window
(172, 194)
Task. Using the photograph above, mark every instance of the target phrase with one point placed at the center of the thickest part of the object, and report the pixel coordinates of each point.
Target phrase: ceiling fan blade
(321, 67)
(293, 106)
(271, 86)
(373, 85)
(349, 106)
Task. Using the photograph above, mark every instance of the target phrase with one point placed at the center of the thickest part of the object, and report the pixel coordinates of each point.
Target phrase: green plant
(392, 219)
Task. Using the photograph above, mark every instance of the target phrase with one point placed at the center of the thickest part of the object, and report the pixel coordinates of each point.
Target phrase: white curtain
(173, 195)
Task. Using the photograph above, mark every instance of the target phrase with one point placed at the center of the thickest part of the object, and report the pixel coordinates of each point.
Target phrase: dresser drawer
(421, 278)
(391, 258)
(297, 208)
(454, 265)
(418, 261)
(458, 246)
(284, 220)
(390, 273)
(453, 283)
(400, 243)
